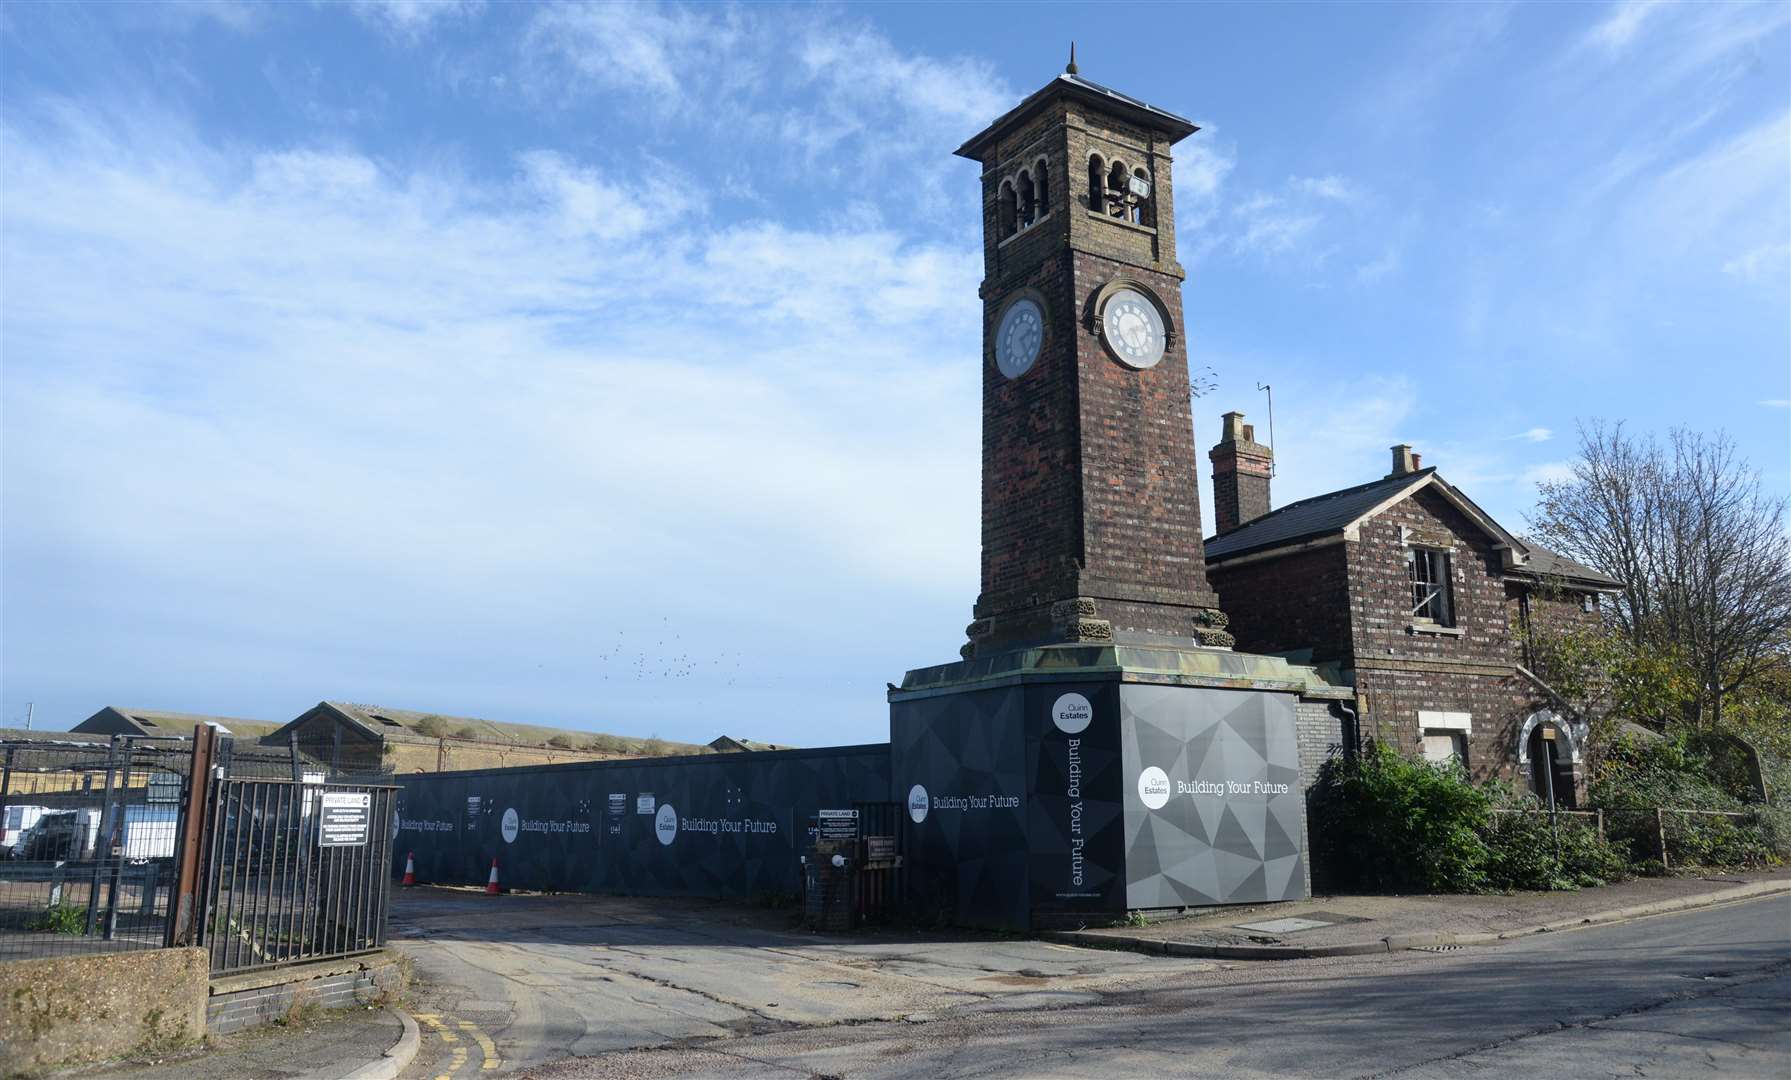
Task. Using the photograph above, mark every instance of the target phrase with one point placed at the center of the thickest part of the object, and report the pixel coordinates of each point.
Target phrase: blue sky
(616, 367)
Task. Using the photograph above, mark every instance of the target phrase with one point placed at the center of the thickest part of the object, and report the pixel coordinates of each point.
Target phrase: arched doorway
(1547, 750)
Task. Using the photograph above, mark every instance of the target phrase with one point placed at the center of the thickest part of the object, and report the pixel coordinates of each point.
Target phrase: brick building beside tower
(1407, 591)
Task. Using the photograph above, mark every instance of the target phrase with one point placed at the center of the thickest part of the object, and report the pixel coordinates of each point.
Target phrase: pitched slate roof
(1545, 563)
(1336, 511)
(1320, 515)
(1122, 105)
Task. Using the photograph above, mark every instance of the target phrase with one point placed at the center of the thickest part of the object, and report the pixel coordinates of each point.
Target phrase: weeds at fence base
(61, 919)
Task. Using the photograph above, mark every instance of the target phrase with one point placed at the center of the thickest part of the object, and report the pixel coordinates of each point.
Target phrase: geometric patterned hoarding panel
(1214, 806)
(958, 764)
(715, 825)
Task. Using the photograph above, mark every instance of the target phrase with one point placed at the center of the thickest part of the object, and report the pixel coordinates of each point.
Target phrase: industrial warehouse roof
(118, 720)
(1344, 511)
(382, 720)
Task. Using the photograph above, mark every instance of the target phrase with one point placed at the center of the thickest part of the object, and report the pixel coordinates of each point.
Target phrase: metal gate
(293, 871)
(882, 830)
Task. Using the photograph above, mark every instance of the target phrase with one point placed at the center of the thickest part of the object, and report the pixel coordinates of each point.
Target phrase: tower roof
(1075, 86)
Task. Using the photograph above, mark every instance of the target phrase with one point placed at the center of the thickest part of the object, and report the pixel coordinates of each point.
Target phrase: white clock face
(1018, 337)
(1133, 328)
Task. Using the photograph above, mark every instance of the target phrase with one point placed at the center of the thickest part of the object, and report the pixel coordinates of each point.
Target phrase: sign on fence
(345, 818)
(837, 825)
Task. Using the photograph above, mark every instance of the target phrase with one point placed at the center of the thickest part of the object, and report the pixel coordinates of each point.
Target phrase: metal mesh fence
(87, 839)
(90, 837)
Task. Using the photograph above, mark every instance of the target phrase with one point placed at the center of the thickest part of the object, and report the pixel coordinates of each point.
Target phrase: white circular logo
(397, 823)
(665, 823)
(1072, 714)
(1153, 788)
(917, 803)
(511, 825)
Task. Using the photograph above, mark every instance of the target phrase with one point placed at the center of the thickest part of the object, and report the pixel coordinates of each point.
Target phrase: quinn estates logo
(917, 803)
(1153, 788)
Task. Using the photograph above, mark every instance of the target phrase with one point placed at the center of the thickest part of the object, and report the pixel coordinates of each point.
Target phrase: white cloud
(816, 93)
(412, 19)
(383, 411)
(1551, 472)
(1759, 262)
(1376, 269)
(1329, 188)
(1719, 201)
(1275, 224)
(1777, 403)
(1535, 435)
(1616, 30)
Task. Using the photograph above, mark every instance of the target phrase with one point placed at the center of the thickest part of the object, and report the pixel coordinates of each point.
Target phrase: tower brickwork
(1091, 516)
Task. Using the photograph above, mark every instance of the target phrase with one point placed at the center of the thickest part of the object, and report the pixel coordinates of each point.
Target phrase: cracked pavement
(645, 988)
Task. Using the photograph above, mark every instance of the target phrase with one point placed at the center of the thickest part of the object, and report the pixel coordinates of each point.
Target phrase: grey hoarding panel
(958, 763)
(1214, 802)
(717, 825)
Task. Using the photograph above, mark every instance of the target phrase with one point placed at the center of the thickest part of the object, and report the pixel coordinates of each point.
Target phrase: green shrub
(1687, 772)
(61, 919)
(1385, 822)
(1528, 850)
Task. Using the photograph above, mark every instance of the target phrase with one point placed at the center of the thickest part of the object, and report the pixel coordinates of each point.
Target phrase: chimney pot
(1404, 461)
(1241, 470)
(1417, 462)
(1232, 425)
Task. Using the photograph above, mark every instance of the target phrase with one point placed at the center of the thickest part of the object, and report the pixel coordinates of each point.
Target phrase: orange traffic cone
(491, 888)
(410, 869)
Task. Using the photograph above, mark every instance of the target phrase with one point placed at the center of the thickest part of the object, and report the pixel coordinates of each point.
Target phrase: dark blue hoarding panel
(718, 825)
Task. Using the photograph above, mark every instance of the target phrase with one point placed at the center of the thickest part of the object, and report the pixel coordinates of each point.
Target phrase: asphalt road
(506, 983)
(1695, 994)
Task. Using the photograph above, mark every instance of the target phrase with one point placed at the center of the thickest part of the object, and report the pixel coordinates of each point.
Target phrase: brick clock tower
(1091, 518)
(1099, 747)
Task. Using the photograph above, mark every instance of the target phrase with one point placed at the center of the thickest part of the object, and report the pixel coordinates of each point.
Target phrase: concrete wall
(65, 1010)
(245, 1001)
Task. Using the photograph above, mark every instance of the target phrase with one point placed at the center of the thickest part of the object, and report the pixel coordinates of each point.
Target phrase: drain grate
(1439, 948)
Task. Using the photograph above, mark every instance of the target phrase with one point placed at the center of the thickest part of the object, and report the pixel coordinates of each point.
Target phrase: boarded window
(1445, 746)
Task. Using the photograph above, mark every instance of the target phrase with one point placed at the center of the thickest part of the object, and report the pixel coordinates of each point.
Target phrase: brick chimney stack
(1404, 461)
(1241, 470)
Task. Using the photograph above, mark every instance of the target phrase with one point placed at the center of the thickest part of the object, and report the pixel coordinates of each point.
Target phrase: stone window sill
(1027, 230)
(1122, 223)
(1433, 628)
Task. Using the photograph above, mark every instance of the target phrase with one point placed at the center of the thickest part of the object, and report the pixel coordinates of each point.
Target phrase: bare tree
(1700, 548)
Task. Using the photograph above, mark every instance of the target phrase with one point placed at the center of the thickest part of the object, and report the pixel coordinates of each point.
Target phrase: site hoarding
(1060, 800)
(714, 825)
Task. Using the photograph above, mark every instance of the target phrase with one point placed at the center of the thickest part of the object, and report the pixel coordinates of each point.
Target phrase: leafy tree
(1700, 549)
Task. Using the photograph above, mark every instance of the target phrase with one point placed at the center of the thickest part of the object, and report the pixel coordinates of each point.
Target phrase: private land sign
(345, 818)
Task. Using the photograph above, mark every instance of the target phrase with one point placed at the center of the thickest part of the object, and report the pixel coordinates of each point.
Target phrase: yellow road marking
(458, 1058)
(486, 1046)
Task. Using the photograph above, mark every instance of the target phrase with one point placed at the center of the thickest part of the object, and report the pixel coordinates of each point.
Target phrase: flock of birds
(661, 663)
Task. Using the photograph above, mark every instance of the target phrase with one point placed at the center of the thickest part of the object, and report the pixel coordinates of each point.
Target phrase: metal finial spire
(1072, 69)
